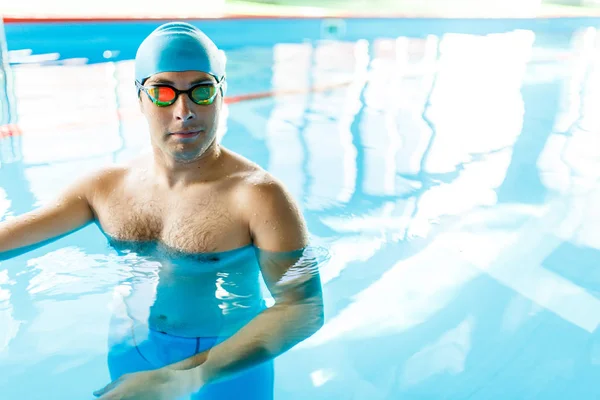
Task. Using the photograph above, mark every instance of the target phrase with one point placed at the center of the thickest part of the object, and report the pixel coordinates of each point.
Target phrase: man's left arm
(279, 232)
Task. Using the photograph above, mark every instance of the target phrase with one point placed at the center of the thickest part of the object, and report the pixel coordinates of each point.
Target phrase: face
(184, 130)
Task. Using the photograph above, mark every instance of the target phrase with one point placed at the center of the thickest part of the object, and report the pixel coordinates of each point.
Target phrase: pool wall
(50, 35)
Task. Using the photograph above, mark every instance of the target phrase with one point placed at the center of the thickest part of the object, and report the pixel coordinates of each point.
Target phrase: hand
(158, 384)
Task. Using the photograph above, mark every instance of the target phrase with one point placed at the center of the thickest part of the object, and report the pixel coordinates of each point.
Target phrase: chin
(189, 154)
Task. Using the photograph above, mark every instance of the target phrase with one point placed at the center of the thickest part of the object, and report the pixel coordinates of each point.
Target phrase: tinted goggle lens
(162, 95)
(203, 93)
(166, 95)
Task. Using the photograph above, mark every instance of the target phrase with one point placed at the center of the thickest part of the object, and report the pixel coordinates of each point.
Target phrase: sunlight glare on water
(449, 183)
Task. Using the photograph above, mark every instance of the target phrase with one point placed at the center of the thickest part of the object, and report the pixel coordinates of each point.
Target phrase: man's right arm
(70, 211)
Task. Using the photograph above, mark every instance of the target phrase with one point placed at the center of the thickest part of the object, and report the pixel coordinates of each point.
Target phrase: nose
(182, 109)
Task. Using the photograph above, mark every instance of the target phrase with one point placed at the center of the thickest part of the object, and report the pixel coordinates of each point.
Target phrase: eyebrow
(162, 81)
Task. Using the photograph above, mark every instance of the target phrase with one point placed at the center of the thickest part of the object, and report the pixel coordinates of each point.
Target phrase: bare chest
(197, 223)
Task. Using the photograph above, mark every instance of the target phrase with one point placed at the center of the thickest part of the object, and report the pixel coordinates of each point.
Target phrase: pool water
(450, 168)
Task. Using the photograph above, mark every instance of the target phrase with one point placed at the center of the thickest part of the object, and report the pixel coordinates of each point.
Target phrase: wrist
(193, 379)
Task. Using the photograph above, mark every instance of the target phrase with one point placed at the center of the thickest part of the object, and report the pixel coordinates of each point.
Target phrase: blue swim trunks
(139, 348)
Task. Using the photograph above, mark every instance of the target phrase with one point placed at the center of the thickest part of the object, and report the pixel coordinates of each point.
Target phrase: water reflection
(176, 305)
(7, 114)
(222, 290)
(453, 181)
(10, 326)
(327, 135)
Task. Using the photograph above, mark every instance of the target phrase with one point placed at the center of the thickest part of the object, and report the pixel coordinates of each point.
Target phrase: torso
(199, 219)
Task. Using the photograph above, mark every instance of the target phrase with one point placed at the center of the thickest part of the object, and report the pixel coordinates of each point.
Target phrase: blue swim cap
(177, 47)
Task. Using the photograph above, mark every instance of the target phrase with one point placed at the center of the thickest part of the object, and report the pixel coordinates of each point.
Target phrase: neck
(181, 172)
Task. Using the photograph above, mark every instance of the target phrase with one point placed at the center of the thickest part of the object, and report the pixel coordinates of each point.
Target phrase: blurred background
(215, 8)
(445, 153)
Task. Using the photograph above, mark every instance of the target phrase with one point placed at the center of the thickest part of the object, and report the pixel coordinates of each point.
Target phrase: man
(193, 197)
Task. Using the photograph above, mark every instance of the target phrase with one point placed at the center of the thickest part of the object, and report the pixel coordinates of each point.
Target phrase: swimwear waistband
(143, 332)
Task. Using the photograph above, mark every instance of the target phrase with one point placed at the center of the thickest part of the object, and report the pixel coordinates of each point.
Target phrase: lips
(186, 132)
(186, 136)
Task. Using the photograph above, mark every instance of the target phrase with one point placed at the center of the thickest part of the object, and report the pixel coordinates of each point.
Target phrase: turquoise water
(450, 170)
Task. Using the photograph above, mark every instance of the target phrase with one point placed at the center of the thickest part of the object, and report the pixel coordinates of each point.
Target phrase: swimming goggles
(164, 95)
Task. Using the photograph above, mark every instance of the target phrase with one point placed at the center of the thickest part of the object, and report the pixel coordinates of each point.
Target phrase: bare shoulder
(260, 186)
(137, 169)
(96, 185)
(256, 187)
(104, 178)
(275, 220)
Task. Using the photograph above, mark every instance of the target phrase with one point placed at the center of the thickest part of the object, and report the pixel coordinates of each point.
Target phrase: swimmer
(201, 203)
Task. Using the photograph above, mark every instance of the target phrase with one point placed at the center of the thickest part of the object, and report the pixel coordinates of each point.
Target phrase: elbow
(317, 326)
(317, 319)
(320, 317)
(309, 317)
